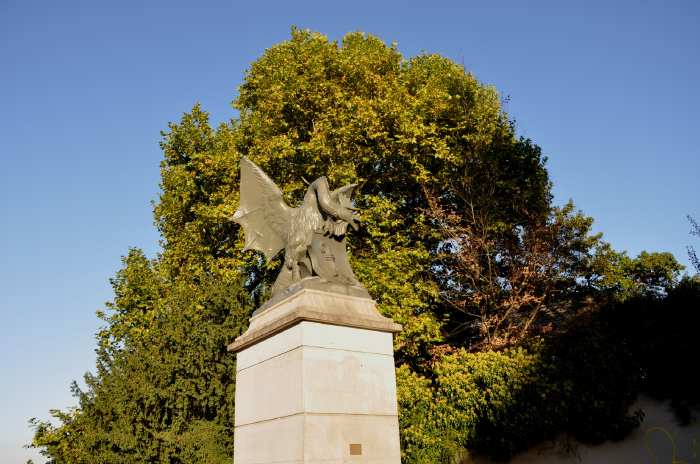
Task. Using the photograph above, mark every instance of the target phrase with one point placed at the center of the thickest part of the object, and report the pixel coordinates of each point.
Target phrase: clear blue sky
(609, 90)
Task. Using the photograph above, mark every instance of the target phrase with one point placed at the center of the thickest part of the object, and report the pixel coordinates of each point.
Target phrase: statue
(312, 234)
(322, 326)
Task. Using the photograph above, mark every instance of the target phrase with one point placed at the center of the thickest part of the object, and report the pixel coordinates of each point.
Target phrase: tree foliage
(163, 390)
(460, 244)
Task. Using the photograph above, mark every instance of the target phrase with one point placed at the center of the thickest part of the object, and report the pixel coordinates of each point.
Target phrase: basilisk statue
(312, 234)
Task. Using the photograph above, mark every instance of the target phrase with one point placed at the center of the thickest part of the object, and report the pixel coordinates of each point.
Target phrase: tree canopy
(460, 243)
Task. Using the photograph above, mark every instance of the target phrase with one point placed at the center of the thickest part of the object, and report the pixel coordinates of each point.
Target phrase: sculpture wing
(262, 212)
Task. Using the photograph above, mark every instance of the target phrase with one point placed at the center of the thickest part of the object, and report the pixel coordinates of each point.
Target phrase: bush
(499, 403)
(662, 335)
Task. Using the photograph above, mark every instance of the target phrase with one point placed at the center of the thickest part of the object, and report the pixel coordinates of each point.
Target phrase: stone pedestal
(316, 384)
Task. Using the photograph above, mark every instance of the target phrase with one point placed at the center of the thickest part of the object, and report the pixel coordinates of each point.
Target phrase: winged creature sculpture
(312, 234)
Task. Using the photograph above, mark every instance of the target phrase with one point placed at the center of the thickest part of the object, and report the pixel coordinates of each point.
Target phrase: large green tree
(460, 244)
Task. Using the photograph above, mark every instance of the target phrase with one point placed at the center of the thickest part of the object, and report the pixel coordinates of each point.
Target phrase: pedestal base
(316, 393)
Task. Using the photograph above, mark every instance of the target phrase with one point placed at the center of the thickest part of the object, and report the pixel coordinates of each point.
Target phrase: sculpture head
(347, 211)
(336, 204)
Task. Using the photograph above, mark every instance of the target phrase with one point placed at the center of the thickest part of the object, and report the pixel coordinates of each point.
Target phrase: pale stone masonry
(316, 383)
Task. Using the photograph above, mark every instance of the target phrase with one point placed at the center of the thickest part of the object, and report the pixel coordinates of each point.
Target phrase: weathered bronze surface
(312, 234)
